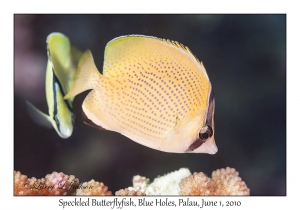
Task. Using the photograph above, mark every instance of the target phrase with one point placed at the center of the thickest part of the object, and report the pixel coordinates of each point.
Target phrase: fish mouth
(211, 148)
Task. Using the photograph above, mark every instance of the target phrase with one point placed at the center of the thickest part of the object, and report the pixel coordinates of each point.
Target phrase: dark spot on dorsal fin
(90, 123)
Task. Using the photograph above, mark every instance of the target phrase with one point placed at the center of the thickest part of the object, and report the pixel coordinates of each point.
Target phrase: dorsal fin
(124, 43)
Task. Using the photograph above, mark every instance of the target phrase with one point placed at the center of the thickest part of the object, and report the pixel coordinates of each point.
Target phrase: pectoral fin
(38, 117)
(179, 125)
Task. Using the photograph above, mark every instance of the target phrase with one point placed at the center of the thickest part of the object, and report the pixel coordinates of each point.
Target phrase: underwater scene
(152, 104)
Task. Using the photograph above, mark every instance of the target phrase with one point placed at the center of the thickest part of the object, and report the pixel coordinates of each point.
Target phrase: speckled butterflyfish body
(153, 91)
(61, 68)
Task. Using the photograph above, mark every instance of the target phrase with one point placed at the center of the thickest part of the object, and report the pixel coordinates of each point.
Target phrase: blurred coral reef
(168, 184)
(182, 182)
(93, 188)
(129, 192)
(223, 182)
(52, 184)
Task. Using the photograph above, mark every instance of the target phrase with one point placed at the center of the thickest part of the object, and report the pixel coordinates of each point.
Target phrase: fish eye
(205, 132)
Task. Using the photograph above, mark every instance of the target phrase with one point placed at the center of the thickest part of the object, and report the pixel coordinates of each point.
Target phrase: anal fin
(87, 121)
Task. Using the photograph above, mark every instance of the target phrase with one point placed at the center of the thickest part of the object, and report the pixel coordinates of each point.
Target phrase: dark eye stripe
(197, 143)
(211, 108)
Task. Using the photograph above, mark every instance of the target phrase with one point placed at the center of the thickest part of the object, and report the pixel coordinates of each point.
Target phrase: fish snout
(212, 149)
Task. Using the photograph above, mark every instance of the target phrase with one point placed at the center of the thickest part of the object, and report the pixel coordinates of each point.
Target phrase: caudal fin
(87, 76)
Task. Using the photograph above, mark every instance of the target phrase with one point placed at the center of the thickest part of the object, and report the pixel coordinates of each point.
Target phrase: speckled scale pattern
(151, 84)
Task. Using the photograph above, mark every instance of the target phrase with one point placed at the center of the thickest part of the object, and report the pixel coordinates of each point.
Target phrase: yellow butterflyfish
(61, 68)
(154, 91)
